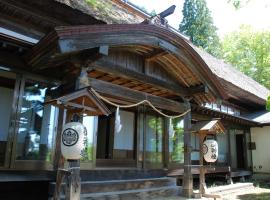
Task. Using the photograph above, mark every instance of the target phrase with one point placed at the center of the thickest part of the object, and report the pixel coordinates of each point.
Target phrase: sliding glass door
(8, 90)
(154, 141)
(27, 125)
(36, 124)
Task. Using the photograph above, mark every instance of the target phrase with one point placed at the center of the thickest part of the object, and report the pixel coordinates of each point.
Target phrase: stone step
(120, 174)
(120, 185)
(229, 189)
(138, 194)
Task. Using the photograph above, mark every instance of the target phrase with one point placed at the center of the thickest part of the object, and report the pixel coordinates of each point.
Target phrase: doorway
(240, 151)
(116, 149)
(8, 92)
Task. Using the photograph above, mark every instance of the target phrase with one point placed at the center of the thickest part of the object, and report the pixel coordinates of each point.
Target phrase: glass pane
(154, 135)
(195, 143)
(90, 122)
(124, 140)
(37, 123)
(176, 141)
(223, 151)
(7, 84)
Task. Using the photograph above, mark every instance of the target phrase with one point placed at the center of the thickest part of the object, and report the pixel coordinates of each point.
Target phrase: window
(224, 108)
(37, 123)
(216, 107)
(230, 111)
(176, 141)
(154, 135)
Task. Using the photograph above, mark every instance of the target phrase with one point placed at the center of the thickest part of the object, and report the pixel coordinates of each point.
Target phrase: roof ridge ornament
(159, 19)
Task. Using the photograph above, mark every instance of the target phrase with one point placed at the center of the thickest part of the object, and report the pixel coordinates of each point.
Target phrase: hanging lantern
(73, 140)
(117, 125)
(210, 150)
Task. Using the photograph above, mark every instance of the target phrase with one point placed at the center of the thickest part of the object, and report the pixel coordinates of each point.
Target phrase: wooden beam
(200, 89)
(175, 88)
(18, 25)
(123, 93)
(156, 55)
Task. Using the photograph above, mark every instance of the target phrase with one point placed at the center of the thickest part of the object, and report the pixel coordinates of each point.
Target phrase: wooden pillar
(202, 168)
(229, 178)
(73, 185)
(144, 137)
(58, 158)
(187, 178)
(166, 143)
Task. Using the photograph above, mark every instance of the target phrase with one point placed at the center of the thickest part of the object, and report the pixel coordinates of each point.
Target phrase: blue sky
(256, 13)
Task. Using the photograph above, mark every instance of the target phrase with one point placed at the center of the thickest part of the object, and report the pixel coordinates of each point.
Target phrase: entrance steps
(133, 188)
(230, 189)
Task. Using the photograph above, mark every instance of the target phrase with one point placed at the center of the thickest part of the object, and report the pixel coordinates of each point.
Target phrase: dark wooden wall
(136, 62)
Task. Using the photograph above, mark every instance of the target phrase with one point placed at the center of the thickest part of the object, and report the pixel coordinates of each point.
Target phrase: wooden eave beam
(200, 89)
(156, 55)
(129, 95)
(20, 26)
(117, 70)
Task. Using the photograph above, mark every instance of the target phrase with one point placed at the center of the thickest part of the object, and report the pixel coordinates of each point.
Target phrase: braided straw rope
(137, 104)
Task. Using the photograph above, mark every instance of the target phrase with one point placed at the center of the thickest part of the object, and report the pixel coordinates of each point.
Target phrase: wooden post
(58, 158)
(187, 178)
(73, 185)
(202, 168)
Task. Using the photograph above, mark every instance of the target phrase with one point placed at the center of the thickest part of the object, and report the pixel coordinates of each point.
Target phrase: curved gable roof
(181, 54)
(231, 77)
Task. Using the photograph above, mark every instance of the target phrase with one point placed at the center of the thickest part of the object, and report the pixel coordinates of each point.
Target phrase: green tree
(238, 3)
(249, 51)
(198, 24)
(268, 103)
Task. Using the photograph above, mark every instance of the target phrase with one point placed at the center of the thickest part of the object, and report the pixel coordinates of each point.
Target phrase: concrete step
(120, 185)
(138, 194)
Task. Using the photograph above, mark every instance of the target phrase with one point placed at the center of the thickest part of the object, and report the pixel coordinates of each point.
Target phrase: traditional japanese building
(60, 57)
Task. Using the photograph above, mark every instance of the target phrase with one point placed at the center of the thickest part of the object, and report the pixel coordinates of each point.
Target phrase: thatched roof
(105, 10)
(262, 117)
(230, 74)
(236, 84)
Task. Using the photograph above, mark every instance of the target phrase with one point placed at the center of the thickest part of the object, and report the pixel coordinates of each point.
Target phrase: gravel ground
(251, 194)
(255, 194)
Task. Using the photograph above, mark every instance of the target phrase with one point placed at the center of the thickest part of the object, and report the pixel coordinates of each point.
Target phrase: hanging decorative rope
(137, 104)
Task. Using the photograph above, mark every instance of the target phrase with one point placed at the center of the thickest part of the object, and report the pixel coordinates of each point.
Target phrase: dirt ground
(255, 194)
(252, 194)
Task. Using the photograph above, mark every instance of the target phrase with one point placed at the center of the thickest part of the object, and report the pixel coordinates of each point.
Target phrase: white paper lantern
(210, 150)
(73, 140)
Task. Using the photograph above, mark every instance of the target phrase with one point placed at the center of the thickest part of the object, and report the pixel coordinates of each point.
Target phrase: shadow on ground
(259, 196)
